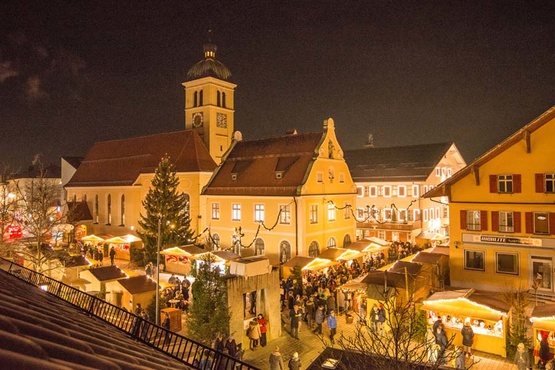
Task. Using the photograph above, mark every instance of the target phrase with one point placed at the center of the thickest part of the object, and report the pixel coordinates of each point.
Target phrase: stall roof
(107, 273)
(319, 264)
(340, 254)
(355, 285)
(427, 257)
(467, 302)
(543, 312)
(412, 268)
(300, 261)
(174, 251)
(138, 284)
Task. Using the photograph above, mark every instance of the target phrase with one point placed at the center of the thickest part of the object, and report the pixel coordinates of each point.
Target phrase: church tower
(209, 102)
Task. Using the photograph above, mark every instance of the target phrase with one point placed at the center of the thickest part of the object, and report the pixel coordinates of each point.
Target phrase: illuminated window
(285, 215)
(259, 212)
(402, 215)
(284, 251)
(236, 212)
(331, 212)
(449, 172)
(313, 249)
(347, 211)
(259, 247)
(506, 224)
(215, 211)
(541, 223)
(346, 240)
(331, 243)
(473, 220)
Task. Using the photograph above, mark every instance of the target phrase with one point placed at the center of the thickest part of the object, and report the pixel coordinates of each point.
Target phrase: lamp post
(158, 270)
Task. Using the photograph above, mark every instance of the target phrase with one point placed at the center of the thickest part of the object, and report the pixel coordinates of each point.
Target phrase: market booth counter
(487, 314)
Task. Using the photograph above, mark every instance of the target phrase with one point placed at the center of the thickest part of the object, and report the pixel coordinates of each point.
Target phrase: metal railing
(188, 351)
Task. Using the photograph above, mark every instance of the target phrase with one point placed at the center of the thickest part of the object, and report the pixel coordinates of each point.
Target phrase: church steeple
(209, 101)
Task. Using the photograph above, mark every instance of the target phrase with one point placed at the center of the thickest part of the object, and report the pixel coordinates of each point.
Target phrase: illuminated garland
(370, 212)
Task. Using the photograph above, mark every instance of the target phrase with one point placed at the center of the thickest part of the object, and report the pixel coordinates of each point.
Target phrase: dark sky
(76, 72)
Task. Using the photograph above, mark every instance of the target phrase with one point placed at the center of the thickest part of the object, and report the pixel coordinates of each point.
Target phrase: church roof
(209, 66)
(273, 166)
(120, 162)
(401, 163)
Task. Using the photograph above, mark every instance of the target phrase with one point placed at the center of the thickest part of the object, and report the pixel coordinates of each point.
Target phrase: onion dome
(209, 66)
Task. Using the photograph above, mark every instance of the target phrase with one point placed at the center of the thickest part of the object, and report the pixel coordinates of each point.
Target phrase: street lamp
(158, 270)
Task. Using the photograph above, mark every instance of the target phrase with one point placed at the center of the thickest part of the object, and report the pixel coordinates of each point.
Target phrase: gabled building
(283, 196)
(502, 213)
(390, 182)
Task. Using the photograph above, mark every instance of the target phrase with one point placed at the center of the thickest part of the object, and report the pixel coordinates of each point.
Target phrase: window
(474, 260)
(445, 212)
(506, 263)
(218, 99)
(425, 189)
(259, 213)
(425, 215)
(236, 212)
(201, 97)
(347, 211)
(373, 191)
(388, 213)
(386, 189)
(505, 183)
(473, 220)
(542, 268)
(96, 208)
(541, 223)
(109, 209)
(215, 238)
(506, 224)
(320, 177)
(122, 207)
(346, 240)
(341, 177)
(438, 172)
(550, 183)
(313, 249)
(416, 215)
(402, 191)
(285, 214)
(449, 172)
(331, 212)
(437, 214)
(443, 171)
(313, 213)
(195, 99)
(259, 247)
(360, 213)
(403, 215)
(415, 192)
(284, 251)
(360, 191)
(223, 100)
(215, 211)
(331, 243)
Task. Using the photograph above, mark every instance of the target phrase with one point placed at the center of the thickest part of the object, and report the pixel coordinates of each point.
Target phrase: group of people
(179, 293)
(229, 347)
(256, 332)
(277, 363)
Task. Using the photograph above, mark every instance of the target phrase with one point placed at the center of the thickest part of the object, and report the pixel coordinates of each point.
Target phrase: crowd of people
(179, 293)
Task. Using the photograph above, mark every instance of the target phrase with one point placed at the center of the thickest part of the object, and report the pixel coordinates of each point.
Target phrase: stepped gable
(120, 162)
(40, 331)
(401, 163)
(272, 166)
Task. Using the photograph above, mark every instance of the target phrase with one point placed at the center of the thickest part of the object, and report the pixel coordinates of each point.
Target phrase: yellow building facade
(502, 213)
(283, 197)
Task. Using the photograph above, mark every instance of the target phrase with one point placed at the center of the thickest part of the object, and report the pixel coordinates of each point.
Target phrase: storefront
(487, 314)
(543, 325)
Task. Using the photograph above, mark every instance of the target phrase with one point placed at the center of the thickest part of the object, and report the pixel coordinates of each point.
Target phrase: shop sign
(497, 239)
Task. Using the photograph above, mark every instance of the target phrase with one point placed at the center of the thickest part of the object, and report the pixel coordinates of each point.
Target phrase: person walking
(381, 319)
(468, 338)
(309, 312)
(295, 362)
(262, 323)
(441, 341)
(319, 319)
(231, 346)
(375, 317)
(112, 255)
(522, 358)
(295, 315)
(166, 324)
(332, 325)
(276, 361)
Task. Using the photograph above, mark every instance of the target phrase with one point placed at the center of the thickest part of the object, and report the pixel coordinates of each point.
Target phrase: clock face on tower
(198, 119)
(221, 120)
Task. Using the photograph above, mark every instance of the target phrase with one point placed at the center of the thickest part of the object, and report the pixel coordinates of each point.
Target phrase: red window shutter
(540, 183)
(493, 183)
(551, 223)
(517, 183)
(463, 220)
(529, 223)
(495, 221)
(517, 222)
(484, 220)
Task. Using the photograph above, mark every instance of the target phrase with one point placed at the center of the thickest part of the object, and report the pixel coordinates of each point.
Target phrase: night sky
(409, 72)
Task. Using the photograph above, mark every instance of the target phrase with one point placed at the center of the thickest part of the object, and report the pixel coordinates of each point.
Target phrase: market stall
(487, 314)
(543, 325)
(178, 259)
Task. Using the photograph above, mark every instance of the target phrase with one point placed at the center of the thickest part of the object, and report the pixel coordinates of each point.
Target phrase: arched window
(313, 249)
(223, 99)
(200, 102)
(215, 242)
(109, 209)
(332, 243)
(122, 206)
(284, 251)
(259, 247)
(96, 208)
(218, 99)
(346, 240)
(195, 103)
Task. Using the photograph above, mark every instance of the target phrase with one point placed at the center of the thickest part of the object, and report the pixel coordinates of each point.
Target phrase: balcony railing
(179, 347)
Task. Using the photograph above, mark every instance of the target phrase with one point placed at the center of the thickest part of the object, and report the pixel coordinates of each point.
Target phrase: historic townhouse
(284, 196)
(390, 182)
(503, 214)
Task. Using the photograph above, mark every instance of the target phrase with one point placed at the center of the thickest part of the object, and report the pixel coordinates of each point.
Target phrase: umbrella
(92, 238)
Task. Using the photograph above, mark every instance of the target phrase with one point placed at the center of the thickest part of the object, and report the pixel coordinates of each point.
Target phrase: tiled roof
(138, 284)
(271, 166)
(401, 163)
(40, 331)
(120, 162)
(107, 273)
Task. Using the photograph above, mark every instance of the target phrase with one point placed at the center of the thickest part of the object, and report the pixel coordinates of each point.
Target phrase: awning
(319, 264)
(355, 285)
(300, 261)
(117, 240)
(175, 251)
(92, 238)
(462, 303)
(340, 254)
